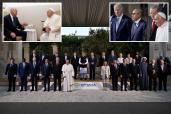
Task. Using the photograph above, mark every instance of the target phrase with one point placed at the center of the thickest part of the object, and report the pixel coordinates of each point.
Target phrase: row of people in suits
(144, 74)
(124, 28)
(24, 69)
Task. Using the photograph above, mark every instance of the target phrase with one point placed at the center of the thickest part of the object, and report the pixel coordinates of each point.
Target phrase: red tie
(153, 26)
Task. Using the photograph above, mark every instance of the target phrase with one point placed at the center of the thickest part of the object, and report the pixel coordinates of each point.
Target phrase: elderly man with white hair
(51, 27)
(162, 34)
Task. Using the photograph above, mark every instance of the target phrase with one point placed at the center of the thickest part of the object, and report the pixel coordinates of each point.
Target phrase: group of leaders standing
(152, 28)
(119, 69)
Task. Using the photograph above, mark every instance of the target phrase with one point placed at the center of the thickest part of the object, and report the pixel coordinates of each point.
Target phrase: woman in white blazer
(105, 73)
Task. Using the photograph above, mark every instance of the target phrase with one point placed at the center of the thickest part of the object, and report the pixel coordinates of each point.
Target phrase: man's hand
(25, 24)
(13, 35)
(47, 29)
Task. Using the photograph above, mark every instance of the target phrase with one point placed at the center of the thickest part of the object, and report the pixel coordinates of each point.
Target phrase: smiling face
(118, 10)
(159, 20)
(136, 14)
(50, 13)
(153, 12)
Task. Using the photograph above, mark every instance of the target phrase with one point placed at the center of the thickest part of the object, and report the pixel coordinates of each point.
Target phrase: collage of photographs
(102, 50)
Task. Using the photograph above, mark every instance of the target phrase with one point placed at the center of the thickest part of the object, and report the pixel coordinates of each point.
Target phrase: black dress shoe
(44, 89)
(8, 90)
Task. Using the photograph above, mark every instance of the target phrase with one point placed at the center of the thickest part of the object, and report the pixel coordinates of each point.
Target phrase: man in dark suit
(102, 59)
(57, 70)
(138, 30)
(12, 26)
(92, 62)
(74, 62)
(151, 25)
(162, 75)
(124, 71)
(120, 25)
(34, 71)
(11, 71)
(23, 72)
(114, 69)
(134, 73)
(65, 57)
(152, 72)
(46, 71)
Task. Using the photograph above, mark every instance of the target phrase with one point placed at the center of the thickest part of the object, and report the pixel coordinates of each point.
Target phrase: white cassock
(68, 74)
(54, 23)
(162, 34)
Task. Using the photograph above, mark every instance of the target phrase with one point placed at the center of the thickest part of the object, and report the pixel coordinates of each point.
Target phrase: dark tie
(134, 27)
(13, 21)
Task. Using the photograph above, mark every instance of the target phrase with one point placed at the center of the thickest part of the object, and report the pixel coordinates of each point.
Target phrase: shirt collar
(137, 21)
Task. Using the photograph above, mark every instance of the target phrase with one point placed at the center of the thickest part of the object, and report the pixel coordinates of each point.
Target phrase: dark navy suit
(23, 72)
(123, 32)
(11, 70)
(34, 71)
(138, 34)
(92, 62)
(46, 71)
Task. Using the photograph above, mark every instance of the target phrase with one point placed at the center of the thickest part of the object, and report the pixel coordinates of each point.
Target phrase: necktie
(117, 23)
(13, 21)
(153, 26)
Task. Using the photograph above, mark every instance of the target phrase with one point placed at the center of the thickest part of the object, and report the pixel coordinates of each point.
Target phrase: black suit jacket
(90, 60)
(124, 30)
(134, 69)
(114, 71)
(74, 61)
(163, 72)
(9, 26)
(34, 70)
(11, 70)
(57, 69)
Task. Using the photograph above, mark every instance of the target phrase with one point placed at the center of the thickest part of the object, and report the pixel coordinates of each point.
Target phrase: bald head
(118, 9)
(136, 14)
(159, 20)
(50, 12)
(13, 12)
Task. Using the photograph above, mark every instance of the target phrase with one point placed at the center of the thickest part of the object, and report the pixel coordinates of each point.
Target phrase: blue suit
(123, 32)
(46, 71)
(138, 33)
(34, 70)
(23, 72)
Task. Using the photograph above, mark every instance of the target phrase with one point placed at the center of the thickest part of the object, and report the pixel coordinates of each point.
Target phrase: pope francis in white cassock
(51, 27)
(162, 34)
(68, 74)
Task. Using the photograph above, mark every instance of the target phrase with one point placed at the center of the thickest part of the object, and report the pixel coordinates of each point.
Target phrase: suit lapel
(120, 24)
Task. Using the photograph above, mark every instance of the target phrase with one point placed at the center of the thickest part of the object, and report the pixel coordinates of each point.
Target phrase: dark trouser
(57, 78)
(124, 82)
(23, 34)
(163, 81)
(114, 82)
(133, 81)
(11, 82)
(75, 72)
(152, 82)
(23, 82)
(46, 81)
(34, 79)
(92, 72)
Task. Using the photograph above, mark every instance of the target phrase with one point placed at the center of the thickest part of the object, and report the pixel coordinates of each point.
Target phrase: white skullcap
(52, 9)
(162, 15)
